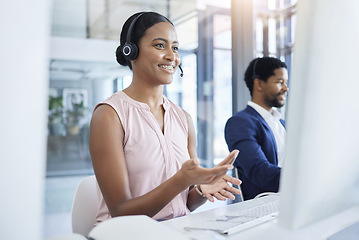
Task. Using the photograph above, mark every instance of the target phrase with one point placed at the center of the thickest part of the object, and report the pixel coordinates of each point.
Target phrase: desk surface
(269, 230)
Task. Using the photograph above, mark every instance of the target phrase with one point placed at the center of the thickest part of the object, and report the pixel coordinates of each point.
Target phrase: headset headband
(254, 75)
(129, 32)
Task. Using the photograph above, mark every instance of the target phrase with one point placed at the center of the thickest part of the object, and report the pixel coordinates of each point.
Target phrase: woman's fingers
(220, 196)
(229, 160)
(232, 180)
(209, 197)
(233, 190)
(234, 156)
(226, 194)
(195, 174)
(214, 174)
(221, 189)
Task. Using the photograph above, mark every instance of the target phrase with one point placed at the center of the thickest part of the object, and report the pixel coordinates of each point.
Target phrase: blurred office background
(82, 31)
(217, 41)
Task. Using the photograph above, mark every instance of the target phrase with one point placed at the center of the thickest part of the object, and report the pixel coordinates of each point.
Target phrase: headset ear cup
(130, 51)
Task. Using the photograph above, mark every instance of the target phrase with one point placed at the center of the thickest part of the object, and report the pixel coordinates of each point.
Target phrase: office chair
(85, 206)
(236, 175)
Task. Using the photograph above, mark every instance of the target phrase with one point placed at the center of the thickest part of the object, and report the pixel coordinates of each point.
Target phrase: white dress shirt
(272, 118)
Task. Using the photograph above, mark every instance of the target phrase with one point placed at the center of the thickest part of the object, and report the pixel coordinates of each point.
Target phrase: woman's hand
(192, 173)
(221, 189)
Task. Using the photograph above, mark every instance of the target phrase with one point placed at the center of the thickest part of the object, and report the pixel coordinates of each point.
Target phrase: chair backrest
(85, 206)
(237, 175)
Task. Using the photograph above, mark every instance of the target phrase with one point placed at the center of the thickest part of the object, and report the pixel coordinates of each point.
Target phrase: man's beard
(275, 102)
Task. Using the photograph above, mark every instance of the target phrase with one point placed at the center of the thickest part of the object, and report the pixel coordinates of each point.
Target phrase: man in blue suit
(258, 131)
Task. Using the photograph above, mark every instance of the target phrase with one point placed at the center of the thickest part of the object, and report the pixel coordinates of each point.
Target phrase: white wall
(69, 18)
(24, 48)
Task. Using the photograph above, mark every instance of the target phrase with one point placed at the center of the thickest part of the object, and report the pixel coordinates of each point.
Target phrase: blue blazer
(257, 161)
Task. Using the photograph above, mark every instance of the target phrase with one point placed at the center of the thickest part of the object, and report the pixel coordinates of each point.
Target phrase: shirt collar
(265, 113)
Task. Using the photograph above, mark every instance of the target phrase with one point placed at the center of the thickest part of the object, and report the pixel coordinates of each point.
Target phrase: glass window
(187, 33)
(275, 23)
(75, 88)
(183, 91)
(259, 34)
(222, 36)
(222, 97)
(272, 4)
(293, 24)
(204, 33)
(272, 36)
(222, 83)
(69, 18)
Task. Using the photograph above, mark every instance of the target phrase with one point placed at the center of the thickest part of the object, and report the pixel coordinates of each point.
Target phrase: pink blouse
(152, 157)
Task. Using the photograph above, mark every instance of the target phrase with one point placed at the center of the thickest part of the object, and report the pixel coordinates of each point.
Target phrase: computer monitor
(321, 174)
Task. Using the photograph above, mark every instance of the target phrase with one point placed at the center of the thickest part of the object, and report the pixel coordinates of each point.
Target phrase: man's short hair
(261, 68)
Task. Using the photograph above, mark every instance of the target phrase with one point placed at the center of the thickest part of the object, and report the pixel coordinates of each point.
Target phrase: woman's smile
(167, 68)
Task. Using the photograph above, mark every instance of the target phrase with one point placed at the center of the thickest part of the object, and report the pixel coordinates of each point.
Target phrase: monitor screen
(321, 174)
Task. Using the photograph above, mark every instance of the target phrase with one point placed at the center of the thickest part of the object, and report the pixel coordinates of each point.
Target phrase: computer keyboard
(238, 221)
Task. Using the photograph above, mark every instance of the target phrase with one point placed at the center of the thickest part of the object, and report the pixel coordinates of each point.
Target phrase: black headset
(254, 75)
(130, 50)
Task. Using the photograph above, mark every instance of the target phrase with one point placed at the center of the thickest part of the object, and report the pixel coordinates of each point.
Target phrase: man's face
(275, 89)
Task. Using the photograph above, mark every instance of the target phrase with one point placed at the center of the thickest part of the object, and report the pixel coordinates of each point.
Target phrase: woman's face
(158, 56)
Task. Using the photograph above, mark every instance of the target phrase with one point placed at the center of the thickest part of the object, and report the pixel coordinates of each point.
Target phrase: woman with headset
(143, 146)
